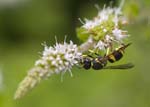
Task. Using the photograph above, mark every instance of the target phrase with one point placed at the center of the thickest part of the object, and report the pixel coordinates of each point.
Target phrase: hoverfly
(100, 62)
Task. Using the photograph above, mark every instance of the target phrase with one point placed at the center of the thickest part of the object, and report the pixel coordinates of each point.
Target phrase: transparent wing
(123, 66)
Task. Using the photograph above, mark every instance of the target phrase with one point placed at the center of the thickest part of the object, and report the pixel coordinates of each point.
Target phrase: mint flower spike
(106, 29)
(57, 59)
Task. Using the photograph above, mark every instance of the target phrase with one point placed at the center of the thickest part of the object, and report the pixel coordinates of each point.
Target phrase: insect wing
(123, 66)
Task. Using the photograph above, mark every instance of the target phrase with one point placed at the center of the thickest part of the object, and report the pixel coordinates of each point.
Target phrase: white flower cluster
(103, 15)
(57, 59)
(107, 27)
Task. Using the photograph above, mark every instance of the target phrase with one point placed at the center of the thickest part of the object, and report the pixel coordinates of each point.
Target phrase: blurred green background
(25, 24)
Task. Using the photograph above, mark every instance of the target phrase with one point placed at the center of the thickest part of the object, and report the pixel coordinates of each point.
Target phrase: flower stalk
(58, 59)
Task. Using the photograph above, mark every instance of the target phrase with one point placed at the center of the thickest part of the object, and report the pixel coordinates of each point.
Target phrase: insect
(100, 62)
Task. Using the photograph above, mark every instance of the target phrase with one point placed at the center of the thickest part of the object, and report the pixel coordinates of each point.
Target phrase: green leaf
(82, 34)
